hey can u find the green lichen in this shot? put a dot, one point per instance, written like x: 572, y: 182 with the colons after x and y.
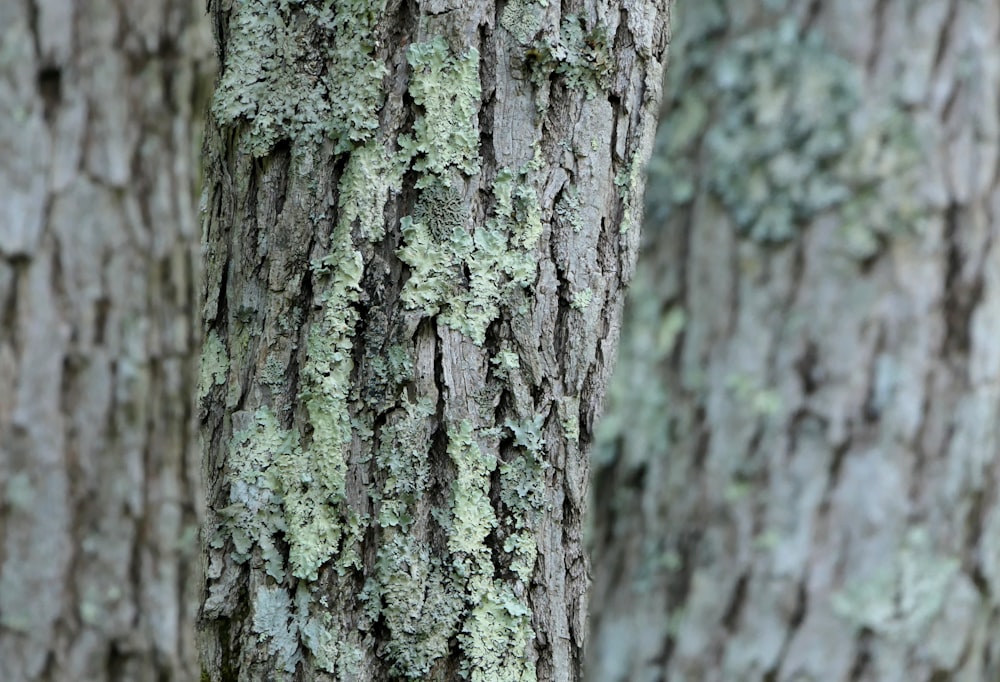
x: 582, y: 299
x: 472, y: 512
x: 568, y: 208
x: 582, y: 58
x: 523, y: 19
x: 437, y: 244
x: 498, y: 256
x: 214, y: 366
x: 414, y: 590
x: 497, y: 630
x: 254, y: 515
x: 494, y: 637
x: 903, y: 597
x: 505, y: 362
x: 522, y: 492
x: 274, y: 79
x: 389, y: 371
x: 273, y: 374
x: 320, y: 633
x: 402, y: 456
x: 569, y: 417
x: 272, y: 618
x: 442, y: 209
x: 285, y: 484
x: 446, y: 88
x: 371, y: 174
x: 282, y: 622
x: 434, y: 264
x: 772, y: 118
x: 419, y: 605
x: 314, y: 476
x: 628, y: 181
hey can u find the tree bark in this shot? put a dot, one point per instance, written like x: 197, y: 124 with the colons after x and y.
x: 421, y: 217
x: 799, y: 477
x: 100, y: 494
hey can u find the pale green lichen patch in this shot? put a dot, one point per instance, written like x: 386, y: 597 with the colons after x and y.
x: 255, y: 513
x: 628, y: 181
x: 497, y: 629
x: 523, y: 19
x: 776, y: 122
x: 446, y: 87
x: 522, y: 492
x: 413, y: 590
x: 389, y: 371
x: 282, y: 623
x: 505, y: 362
x: 498, y: 256
x: 906, y: 595
x: 371, y: 174
x: 495, y: 637
x: 276, y: 80
x: 433, y: 264
x: 473, y: 515
x: 503, y: 256
x: 581, y: 299
x: 419, y: 604
x: 273, y: 374
x: 402, y: 456
x: 583, y: 58
x: 214, y: 364
x: 283, y: 483
x: 569, y: 417
x: 442, y: 209
x: 272, y: 619
x: 568, y: 208
x: 321, y: 635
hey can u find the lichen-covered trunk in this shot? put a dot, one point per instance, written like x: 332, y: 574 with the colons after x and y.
x: 800, y: 478
x: 420, y: 220
x: 99, y: 491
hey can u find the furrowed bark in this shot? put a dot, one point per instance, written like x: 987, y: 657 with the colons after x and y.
x: 420, y: 220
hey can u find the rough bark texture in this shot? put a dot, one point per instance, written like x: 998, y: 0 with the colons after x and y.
x: 421, y: 217
x: 99, y: 478
x: 799, y: 480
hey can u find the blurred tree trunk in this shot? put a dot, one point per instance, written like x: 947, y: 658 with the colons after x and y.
x: 799, y: 477
x: 421, y: 218
x: 99, y: 489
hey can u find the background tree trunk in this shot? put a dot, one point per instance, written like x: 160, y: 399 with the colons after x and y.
x: 805, y: 488
x: 99, y: 501
x: 420, y: 221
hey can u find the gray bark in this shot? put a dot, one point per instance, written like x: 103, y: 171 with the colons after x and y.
x: 799, y: 477
x: 421, y: 218
x: 98, y: 245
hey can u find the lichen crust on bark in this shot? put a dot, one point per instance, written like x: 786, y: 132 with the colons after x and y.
x: 414, y: 342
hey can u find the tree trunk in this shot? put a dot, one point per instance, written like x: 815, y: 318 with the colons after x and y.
x: 421, y: 218
x: 799, y: 480
x: 100, y: 494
